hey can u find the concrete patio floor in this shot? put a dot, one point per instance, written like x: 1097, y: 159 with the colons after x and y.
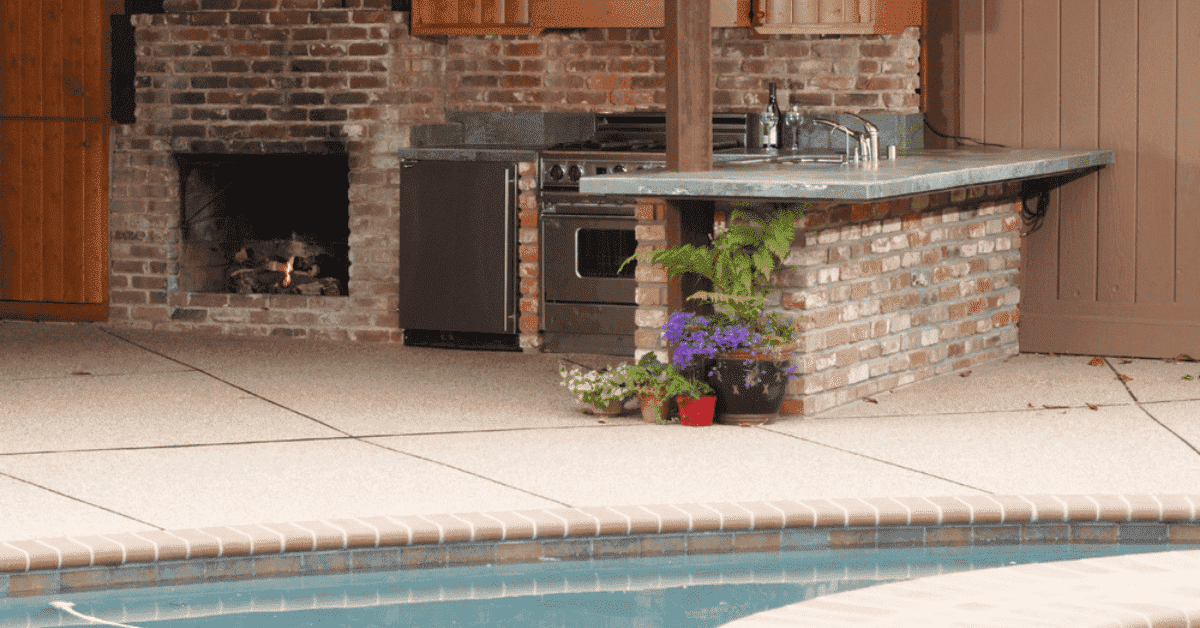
x: 111, y: 430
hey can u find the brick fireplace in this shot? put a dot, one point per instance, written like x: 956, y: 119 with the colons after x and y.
x: 247, y: 84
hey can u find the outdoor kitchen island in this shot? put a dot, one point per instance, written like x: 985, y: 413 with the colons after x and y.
x: 903, y: 270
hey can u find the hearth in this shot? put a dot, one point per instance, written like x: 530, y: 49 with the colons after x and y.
x: 264, y: 224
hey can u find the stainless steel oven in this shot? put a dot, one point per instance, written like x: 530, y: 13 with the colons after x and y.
x: 588, y: 298
x: 588, y: 306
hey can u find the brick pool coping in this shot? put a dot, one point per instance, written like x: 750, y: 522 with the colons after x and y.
x: 361, y: 545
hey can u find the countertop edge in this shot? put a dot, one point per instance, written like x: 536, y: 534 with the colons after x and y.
x: 921, y: 173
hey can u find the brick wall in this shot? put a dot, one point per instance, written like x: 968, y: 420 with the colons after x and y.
x: 620, y: 69
x: 320, y: 76
x: 888, y: 293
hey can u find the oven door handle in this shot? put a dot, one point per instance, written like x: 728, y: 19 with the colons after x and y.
x: 509, y: 298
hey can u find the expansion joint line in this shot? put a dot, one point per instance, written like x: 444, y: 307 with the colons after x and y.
x: 360, y: 439
x: 876, y: 459
x: 228, y: 383
x: 1137, y: 402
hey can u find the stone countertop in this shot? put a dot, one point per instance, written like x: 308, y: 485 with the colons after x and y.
x: 472, y: 153
x: 914, y: 172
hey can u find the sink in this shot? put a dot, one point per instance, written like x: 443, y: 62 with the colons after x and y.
x: 830, y: 158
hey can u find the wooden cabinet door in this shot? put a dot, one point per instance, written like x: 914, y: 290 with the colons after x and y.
x: 53, y: 160
x: 843, y: 17
x: 472, y: 17
x: 515, y: 17
x: 598, y: 13
x: 627, y: 13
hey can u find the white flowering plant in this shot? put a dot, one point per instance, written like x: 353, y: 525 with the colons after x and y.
x: 598, y: 388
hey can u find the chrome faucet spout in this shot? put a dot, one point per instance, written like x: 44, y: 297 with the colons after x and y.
x: 860, y: 138
x: 872, y: 138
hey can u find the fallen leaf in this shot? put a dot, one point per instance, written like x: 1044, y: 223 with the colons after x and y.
x: 1097, y: 361
x: 1126, y: 378
x: 1126, y: 361
x: 1053, y: 407
x: 964, y: 373
x: 1093, y: 406
x: 1182, y: 357
x: 1031, y: 405
x: 870, y: 399
x: 1189, y: 377
x: 80, y: 373
x: 745, y: 425
x: 600, y: 421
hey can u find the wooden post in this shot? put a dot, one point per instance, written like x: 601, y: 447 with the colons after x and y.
x: 689, y: 85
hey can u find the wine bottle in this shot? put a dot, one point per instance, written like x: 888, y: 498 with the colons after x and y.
x: 770, y: 121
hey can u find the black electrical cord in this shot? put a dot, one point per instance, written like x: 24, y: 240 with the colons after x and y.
x: 1033, y: 218
x: 960, y: 138
x: 1041, y: 188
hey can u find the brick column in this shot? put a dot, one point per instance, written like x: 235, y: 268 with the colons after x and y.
x: 655, y: 220
x: 529, y: 267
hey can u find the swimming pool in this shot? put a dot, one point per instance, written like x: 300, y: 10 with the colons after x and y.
x: 693, y: 591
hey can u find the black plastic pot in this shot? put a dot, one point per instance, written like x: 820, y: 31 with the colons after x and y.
x: 748, y: 391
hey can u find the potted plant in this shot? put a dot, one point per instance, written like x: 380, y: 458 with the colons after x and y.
x: 604, y: 390
x: 743, y: 348
x: 697, y: 404
x: 649, y: 378
x: 657, y: 383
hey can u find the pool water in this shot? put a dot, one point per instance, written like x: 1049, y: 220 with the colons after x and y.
x: 692, y: 591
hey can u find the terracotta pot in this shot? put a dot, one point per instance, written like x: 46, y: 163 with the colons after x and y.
x: 654, y: 406
x: 750, y: 385
x: 696, y: 412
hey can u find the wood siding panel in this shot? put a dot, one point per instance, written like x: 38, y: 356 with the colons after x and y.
x: 1038, y: 125
x: 94, y: 275
x: 971, y: 75
x: 1079, y: 122
x: 1187, y: 166
x: 53, y: 160
x: 1155, y: 278
x: 1115, y: 268
x: 29, y: 213
x: 1116, y: 260
x: 1003, y: 94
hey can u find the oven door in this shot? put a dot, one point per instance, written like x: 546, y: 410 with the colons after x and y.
x: 582, y: 255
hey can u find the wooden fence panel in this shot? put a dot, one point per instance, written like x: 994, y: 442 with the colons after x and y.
x: 53, y: 159
x: 1039, y: 125
x: 1187, y: 167
x: 1155, y: 278
x: 1117, y: 213
x: 1115, y: 269
x: 1079, y: 119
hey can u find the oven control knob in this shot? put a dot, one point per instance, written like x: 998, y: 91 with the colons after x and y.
x: 574, y: 172
x: 618, y: 168
x: 556, y: 172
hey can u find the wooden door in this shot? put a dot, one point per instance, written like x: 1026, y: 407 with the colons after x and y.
x: 1115, y: 267
x: 53, y: 160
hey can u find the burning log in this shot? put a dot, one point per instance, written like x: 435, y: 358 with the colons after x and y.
x: 281, y: 267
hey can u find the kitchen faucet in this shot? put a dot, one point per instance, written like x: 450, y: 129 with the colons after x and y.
x: 868, y: 139
x: 861, y: 138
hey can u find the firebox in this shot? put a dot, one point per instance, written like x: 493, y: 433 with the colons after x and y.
x: 264, y: 224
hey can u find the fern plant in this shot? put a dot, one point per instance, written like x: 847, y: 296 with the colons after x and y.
x: 741, y: 263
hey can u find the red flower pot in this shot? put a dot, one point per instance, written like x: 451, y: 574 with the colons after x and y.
x: 696, y: 412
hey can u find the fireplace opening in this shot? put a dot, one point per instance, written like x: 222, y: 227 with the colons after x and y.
x: 264, y: 224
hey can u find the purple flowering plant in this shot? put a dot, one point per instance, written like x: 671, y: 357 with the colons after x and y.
x: 741, y: 263
x: 697, y: 338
